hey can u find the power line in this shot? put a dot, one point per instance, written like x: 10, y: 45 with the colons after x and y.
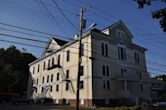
x: 50, y: 14
x: 36, y: 31
x: 22, y: 38
x: 64, y: 14
x: 23, y: 32
x: 7, y: 41
x: 39, y: 4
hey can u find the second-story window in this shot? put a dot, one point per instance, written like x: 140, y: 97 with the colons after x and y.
x: 43, y: 80
x: 42, y: 90
x: 104, y: 84
x: 47, y: 78
x: 136, y: 56
x: 67, y: 74
x: 82, y: 71
x: 67, y: 86
x: 52, y: 76
x: 51, y: 88
x: 121, y: 53
x: 104, y: 49
x: 68, y: 56
x: 81, y: 84
x: 108, y: 85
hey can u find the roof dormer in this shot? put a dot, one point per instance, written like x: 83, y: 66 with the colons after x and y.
x: 53, y: 45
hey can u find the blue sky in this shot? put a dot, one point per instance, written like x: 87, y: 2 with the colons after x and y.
x: 30, y: 14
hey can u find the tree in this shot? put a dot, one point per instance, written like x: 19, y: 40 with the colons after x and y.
x: 14, y: 70
x: 158, y: 14
x: 161, y: 77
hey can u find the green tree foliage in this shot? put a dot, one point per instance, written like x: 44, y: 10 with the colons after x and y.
x: 14, y: 70
x: 158, y: 14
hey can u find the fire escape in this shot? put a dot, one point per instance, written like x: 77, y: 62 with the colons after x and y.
x: 63, y: 76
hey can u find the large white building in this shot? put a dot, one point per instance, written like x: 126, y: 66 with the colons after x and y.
x: 113, y: 69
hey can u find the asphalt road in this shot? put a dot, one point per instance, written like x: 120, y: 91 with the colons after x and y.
x: 26, y: 107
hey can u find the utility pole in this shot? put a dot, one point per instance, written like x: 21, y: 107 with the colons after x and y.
x: 82, y: 26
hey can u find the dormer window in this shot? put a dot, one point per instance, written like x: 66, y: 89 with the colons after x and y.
x: 120, y: 34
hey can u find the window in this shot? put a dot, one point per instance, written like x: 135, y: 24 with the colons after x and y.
x: 52, y: 61
x: 121, y: 53
x: 67, y: 74
x: 44, y: 65
x: 68, y: 56
x: 82, y: 71
x: 120, y: 34
x: 43, y: 80
x: 42, y: 90
x: 81, y: 84
x: 47, y: 78
x: 52, y: 76
x: 104, y: 84
x: 139, y: 75
x: 141, y: 87
x: 38, y: 68
x: 105, y: 69
x: 123, y: 72
x: 82, y: 49
x: 49, y: 63
x: 57, y: 87
x: 108, y: 85
x: 36, y: 90
x: 57, y: 78
x: 136, y: 56
x: 33, y: 70
x: 67, y: 86
x: 104, y: 49
x: 59, y: 58
x: 50, y: 88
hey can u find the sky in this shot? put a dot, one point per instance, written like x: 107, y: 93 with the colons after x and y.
x: 33, y: 14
